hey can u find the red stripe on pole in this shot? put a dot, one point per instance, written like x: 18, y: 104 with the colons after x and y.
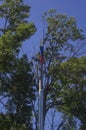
x: 41, y: 59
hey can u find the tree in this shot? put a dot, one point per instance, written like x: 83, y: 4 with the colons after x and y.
x: 14, y: 30
x: 61, y: 35
x: 73, y: 90
x: 20, y: 93
x: 19, y: 90
x: 15, y: 72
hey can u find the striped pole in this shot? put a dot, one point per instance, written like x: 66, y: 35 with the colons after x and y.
x: 41, y: 91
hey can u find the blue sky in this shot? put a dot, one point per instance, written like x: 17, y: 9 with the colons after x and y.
x: 75, y: 8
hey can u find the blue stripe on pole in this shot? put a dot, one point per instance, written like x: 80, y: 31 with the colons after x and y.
x: 41, y: 50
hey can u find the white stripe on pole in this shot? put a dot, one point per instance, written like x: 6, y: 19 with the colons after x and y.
x: 41, y: 127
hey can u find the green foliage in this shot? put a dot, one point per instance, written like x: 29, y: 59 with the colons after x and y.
x: 5, y: 122
x: 21, y: 93
x: 60, y: 36
x: 17, y: 88
x: 15, y: 29
x: 14, y: 12
x: 60, y: 28
x: 71, y: 87
x: 24, y: 31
